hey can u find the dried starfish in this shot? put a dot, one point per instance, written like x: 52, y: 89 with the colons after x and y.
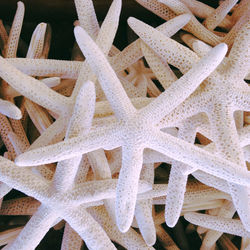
x: 122, y: 108
x: 237, y: 69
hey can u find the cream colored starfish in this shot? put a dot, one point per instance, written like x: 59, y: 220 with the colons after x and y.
x: 45, y: 215
x: 49, y: 98
x: 122, y: 108
x: 220, y: 112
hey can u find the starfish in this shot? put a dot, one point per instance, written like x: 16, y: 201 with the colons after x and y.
x: 45, y: 215
x: 220, y: 111
x: 126, y: 123
x: 24, y: 181
x: 49, y: 99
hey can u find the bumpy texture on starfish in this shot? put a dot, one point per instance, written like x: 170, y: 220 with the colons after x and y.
x: 125, y: 134
x: 128, y: 117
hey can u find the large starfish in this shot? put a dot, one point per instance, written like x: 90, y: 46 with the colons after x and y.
x: 130, y: 130
x: 219, y: 110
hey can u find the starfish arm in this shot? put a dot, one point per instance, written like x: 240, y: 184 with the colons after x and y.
x: 197, y: 191
x: 193, y: 105
x: 83, y: 170
x: 40, y: 117
x: 178, y: 180
x: 199, y: 158
x: 101, y: 169
x: 71, y: 239
x: 158, y: 8
x: 244, y: 136
x: 169, y: 50
x: 37, y: 41
x: 5, y: 129
x: 110, y: 83
x: 77, y: 217
x: 87, y: 17
x: 151, y: 156
x: 51, y: 81
x: 83, y: 110
x: 183, y: 87
x: 107, y: 138
x: 23, y: 179
x: 194, y: 26
x: 20, y: 206
x: 104, y: 41
x: 109, y: 27
x: 226, y: 211
x: 47, y: 42
x: 3, y: 36
x: 18, y: 145
x: 4, y: 189
x: 211, y: 181
x: 203, y: 11
x: 127, y: 187
x: 242, y: 8
x: 34, y: 230
x: 242, y: 99
x: 54, y: 133
x: 9, y: 109
x: 80, y: 121
x: 239, y: 57
x: 132, y: 53
x: 48, y: 99
x: 199, y: 47
x: 247, y: 153
x: 12, y: 44
x: 222, y: 134
x: 130, y: 240
x: 93, y: 191
x: 161, y: 69
x: 47, y: 67
x: 143, y: 209
x: 236, y: 29
x: 9, y: 235
x: 217, y: 223
x: 219, y: 14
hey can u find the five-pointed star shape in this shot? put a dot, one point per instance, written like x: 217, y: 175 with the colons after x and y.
x: 135, y: 130
x: 219, y: 96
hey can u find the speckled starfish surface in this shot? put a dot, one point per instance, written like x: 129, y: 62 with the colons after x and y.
x: 123, y: 141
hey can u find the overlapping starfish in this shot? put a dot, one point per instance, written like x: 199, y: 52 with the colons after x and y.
x: 118, y: 130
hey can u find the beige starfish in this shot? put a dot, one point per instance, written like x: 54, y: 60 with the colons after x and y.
x: 222, y: 111
x: 104, y: 141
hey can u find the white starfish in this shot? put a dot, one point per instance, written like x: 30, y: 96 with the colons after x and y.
x: 219, y: 112
x: 123, y: 110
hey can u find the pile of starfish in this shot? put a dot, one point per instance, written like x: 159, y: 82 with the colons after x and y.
x: 104, y: 123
